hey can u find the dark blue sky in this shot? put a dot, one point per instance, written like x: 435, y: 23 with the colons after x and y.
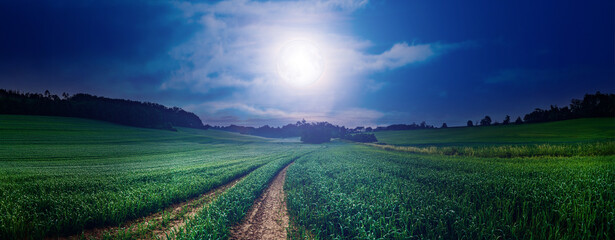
x: 384, y: 61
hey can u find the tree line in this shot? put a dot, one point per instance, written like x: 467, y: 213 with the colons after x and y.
x: 317, y: 132
x: 591, y: 106
x: 119, y: 111
x: 152, y: 115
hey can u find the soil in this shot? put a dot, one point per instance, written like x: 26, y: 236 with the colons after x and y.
x: 268, y: 217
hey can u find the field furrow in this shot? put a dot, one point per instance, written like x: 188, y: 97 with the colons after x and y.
x: 268, y: 217
x: 159, y: 224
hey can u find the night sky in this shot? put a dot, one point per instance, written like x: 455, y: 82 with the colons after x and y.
x: 383, y: 62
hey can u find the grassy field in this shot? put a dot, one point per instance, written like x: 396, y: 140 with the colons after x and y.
x: 536, y: 181
x: 570, y: 131
x: 61, y: 175
x: 348, y: 191
x: 556, y: 180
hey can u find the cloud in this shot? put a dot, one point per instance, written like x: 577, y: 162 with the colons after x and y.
x: 240, y: 39
x: 238, y: 45
x: 347, y: 117
x: 399, y: 55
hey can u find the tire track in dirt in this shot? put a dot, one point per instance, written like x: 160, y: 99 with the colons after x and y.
x: 172, y: 218
x: 268, y: 217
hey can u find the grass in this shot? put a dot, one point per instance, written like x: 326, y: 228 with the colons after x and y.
x: 601, y: 148
x: 350, y: 191
x: 61, y: 175
x: 570, y: 131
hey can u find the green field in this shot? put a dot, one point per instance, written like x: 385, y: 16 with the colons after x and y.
x: 351, y: 191
x: 61, y: 175
x: 556, y: 180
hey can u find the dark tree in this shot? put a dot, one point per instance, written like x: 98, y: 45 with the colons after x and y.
x: 485, y: 121
x: 470, y: 123
x: 361, y: 137
x: 506, y: 120
x: 316, y: 134
x: 397, y: 127
x: 592, y: 105
x: 444, y: 125
x: 120, y: 111
x: 518, y: 121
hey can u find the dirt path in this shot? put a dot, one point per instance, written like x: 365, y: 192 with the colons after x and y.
x: 268, y: 218
x: 159, y: 224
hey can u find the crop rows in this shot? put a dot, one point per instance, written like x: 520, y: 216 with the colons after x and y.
x: 214, y: 222
x: 38, y: 202
x: 359, y: 192
x: 59, y: 176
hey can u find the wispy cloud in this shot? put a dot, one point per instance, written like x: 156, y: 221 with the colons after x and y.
x: 399, y: 55
x: 240, y: 40
x: 347, y: 117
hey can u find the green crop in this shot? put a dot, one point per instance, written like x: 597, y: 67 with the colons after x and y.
x: 214, y: 222
x: 599, y: 148
x: 59, y: 176
x: 347, y: 191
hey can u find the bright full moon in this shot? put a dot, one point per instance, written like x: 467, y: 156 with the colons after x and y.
x: 300, y: 63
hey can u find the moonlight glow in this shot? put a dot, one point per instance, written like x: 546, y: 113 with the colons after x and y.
x: 300, y: 63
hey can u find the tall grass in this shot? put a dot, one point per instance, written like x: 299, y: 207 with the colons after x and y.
x: 603, y: 148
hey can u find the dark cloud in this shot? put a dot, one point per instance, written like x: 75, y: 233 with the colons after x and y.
x: 68, y: 42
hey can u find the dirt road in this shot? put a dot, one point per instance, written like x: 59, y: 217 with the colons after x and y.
x: 268, y: 218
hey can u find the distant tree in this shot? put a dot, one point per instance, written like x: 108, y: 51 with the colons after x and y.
x: 316, y: 135
x: 485, y: 121
x: 592, y: 105
x: 369, y: 129
x: 518, y: 121
x: 361, y: 137
x: 470, y: 124
x: 444, y: 125
x: 506, y: 120
x: 398, y: 127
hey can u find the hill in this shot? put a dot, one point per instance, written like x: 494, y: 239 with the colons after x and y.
x: 49, y: 137
x: 120, y: 111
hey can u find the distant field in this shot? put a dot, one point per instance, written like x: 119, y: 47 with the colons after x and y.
x: 570, y: 131
x: 61, y: 175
